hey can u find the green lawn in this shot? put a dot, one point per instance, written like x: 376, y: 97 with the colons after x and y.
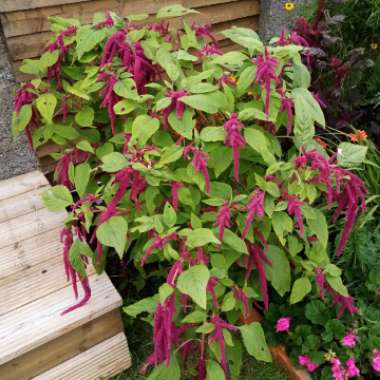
x: 140, y: 346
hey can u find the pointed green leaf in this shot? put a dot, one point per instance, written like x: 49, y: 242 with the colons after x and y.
x: 255, y: 342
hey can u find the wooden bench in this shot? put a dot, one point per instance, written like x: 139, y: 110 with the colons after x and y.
x: 36, y: 341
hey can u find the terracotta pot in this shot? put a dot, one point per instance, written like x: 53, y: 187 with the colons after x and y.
x: 278, y: 353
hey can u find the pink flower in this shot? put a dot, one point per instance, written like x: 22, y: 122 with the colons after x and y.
x: 283, y: 324
x: 223, y: 219
x: 306, y: 362
x: 337, y: 371
x: 199, y: 163
x: 349, y: 340
x: 376, y: 360
x: 255, y: 208
x: 352, y: 370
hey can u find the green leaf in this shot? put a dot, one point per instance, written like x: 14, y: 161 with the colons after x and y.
x: 279, y: 272
x: 146, y: 305
x: 85, y: 146
x: 232, y: 59
x: 57, y: 198
x: 169, y: 216
x: 201, y: 102
x: 124, y: 107
x: 196, y: 316
x: 170, y: 154
x: 201, y: 237
x: 164, y: 372
x: 143, y: 128
x: 337, y: 284
x: 259, y: 142
x: 168, y: 63
x: 175, y: 10
x: 350, y: 155
x: 20, y: 121
x: 183, y: 126
x: 245, y: 79
x: 246, y: 37
x: 85, y: 116
x: 212, y: 134
x: 46, y: 104
x: 318, y: 226
x: 114, y: 162
x: 220, y: 159
x: 234, y: 241
x: 88, y: 38
x: 49, y: 58
x: 214, y: 371
x: 202, y: 88
x: 301, y: 288
x: 282, y: 224
x: 165, y: 291
x: 113, y: 233
x: 254, y: 341
x: 316, y: 312
x: 193, y: 282
x: 81, y: 178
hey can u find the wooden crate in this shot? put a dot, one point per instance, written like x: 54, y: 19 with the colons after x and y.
x: 36, y: 341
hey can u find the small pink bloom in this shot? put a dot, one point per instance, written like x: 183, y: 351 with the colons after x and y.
x: 303, y: 360
x: 337, y: 371
x: 376, y: 360
x: 311, y: 367
x: 349, y: 340
x: 352, y: 370
x: 283, y: 324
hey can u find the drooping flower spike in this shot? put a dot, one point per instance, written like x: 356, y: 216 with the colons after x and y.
x: 223, y: 219
x: 199, y: 163
x: 255, y: 208
x: 235, y: 140
x: 175, y: 105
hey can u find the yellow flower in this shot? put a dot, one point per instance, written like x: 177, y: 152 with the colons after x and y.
x: 374, y: 45
x: 289, y: 6
x: 232, y: 78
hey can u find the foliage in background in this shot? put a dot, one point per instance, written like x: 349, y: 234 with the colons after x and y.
x: 198, y: 167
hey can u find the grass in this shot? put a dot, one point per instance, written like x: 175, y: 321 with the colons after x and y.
x: 139, y: 339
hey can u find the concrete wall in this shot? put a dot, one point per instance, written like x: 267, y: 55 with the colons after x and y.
x: 16, y: 157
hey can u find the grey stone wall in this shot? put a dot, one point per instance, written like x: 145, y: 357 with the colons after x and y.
x: 274, y: 18
x: 16, y: 157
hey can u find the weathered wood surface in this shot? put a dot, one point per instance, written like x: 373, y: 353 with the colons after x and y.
x: 34, y: 335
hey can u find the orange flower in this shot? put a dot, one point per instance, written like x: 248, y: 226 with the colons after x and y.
x: 232, y: 78
x: 289, y: 6
x: 374, y: 45
x: 321, y: 142
x: 358, y: 136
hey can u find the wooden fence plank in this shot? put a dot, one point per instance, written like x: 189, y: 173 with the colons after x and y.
x: 99, y: 362
x: 32, y: 45
x: 16, y: 5
x: 39, y: 322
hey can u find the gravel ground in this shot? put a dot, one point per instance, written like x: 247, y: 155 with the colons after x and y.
x: 16, y: 156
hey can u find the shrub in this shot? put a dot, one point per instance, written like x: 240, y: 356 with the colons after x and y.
x: 198, y: 166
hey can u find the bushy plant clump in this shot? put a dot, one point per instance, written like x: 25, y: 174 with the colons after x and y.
x: 197, y: 165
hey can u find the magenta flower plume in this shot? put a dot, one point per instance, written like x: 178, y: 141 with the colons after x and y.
x: 346, y: 304
x: 54, y: 71
x: 292, y: 39
x: 294, y: 209
x: 257, y: 259
x: 199, y: 163
x: 240, y: 295
x: 287, y: 106
x: 107, y: 23
x: 212, y: 282
x: 255, y: 208
x: 283, y: 324
x: 209, y: 50
x: 158, y: 243
x: 175, y: 186
x: 164, y: 334
x: 175, y: 105
x: 266, y: 74
x: 375, y: 360
x: 321, y: 281
x: 235, y: 140
x: 67, y: 241
x: 217, y: 337
x: 349, y: 340
x: 223, y: 219
x: 203, y: 31
x: 74, y: 156
x: 110, y: 98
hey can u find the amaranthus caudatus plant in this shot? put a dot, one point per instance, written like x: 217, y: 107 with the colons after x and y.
x: 194, y: 161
